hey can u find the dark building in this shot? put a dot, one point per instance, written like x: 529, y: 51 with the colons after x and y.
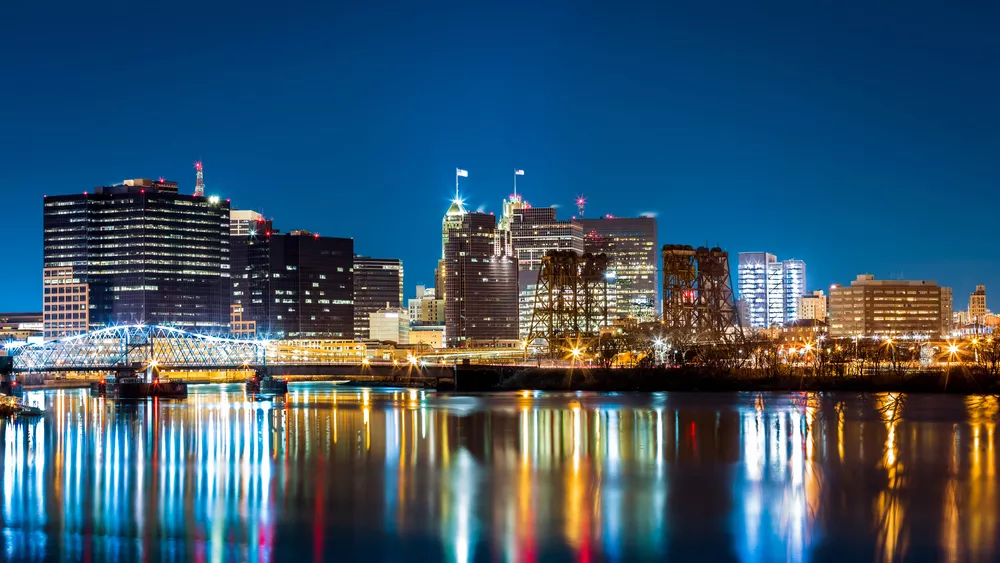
x: 378, y: 284
x: 630, y: 244
x: 480, y: 284
x: 295, y: 285
x: 146, y: 253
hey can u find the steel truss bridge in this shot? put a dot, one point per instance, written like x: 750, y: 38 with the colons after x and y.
x: 171, y: 348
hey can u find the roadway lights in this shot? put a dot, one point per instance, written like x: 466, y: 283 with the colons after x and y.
x: 575, y: 352
x: 952, y: 349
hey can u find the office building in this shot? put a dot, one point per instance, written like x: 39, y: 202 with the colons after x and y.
x: 633, y: 257
x: 430, y: 336
x: 146, y: 253
x: 25, y: 327
x: 243, y: 223
x: 389, y: 325
x: 770, y: 289
x: 870, y: 307
x: 480, y: 285
x: 531, y: 232
x: 297, y: 285
x: 813, y: 306
x: 65, y: 303
x: 977, y: 305
x: 378, y: 284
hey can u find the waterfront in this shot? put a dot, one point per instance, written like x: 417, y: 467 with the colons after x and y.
x: 391, y: 474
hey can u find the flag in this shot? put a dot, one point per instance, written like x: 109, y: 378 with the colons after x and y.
x: 462, y: 173
x: 519, y: 172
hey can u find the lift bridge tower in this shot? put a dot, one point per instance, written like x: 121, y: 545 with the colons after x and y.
x: 571, y: 299
x: 698, y: 300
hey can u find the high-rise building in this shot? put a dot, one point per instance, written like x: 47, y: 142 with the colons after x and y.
x: 65, y: 302
x: 480, y: 284
x: 770, y: 289
x: 870, y: 307
x: 242, y: 222
x: 146, y: 253
x: 378, y: 284
x: 813, y: 306
x: 633, y: 256
x: 296, y: 285
x: 533, y: 231
x: 977, y: 305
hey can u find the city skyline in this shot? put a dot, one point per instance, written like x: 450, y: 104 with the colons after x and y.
x: 669, y: 109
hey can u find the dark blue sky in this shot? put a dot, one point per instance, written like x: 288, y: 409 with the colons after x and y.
x: 859, y: 137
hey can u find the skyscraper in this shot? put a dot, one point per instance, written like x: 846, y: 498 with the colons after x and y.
x: 631, y: 247
x: 378, y: 285
x: 295, y: 285
x: 146, y: 253
x: 480, y: 284
x: 533, y: 231
x: 770, y: 289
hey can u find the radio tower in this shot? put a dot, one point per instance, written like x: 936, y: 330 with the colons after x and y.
x: 199, y: 183
x: 580, y: 202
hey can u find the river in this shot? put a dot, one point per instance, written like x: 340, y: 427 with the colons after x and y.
x: 335, y: 473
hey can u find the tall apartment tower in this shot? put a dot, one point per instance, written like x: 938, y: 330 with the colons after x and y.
x: 633, y: 256
x: 294, y: 285
x: 378, y: 285
x: 531, y: 232
x: 769, y: 288
x: 146, y: 253
x: 977, y: 304
x: 480, y: 283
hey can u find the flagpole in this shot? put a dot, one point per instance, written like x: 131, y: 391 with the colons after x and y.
x: 515, y: 183
x: 456, y: 184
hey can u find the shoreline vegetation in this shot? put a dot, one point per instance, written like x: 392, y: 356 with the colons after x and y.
x: 956, y: 380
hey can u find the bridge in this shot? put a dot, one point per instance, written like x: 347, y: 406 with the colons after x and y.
x: 170, y: 348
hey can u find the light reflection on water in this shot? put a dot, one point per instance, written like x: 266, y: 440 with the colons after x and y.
x: 409, y: 474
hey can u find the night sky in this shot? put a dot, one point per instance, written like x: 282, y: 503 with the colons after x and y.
x: 857, y: 136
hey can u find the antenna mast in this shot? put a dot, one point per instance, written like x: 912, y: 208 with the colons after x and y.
x: 199, y: 183
x: 580, y: 203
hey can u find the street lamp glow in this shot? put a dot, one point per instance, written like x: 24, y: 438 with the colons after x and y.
x: 952, y: 349
x: 365, y: 361
x: 575, y: 352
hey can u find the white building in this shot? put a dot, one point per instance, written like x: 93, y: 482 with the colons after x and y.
x: 390, y: 325
x: 65, y: 302
x: 813, y: 306
x: 242, y: 222
x: 770, y: 289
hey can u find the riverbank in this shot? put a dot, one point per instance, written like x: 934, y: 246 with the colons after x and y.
x: 700, y: 379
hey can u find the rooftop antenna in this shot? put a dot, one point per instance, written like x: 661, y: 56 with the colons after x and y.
x: 459, y: 173
x: 199, y: 182
x: 580, y: 203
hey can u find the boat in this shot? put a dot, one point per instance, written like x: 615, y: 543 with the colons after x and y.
x: 138, y: 388
x: 28, y: 410
x: 262, y: 383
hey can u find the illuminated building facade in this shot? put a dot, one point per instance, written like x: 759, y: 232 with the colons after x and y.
x: 870, y: 307
x: 243, y: 222
x: 378, y: 284
x: 480, y: 285
x: 390, y: 325
x: 813, y: 306
x: 977, y: 305
x: 295, y: 285
x: 533, y: 231
x: 633, y: 255
x: 65, y: 303
x: 146, y: 253
x: 770, y: 289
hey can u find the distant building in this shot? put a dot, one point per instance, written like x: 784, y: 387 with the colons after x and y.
x: 390, y: 325
x: 633, y: 254
x: 297, y: 285
x: 977, y: 305
x: 21, y: 326
x: 428, y: 335
x: 378, y: 284
x: 243, y: 223
x: 813, y: 307
x: 870, y: 307
x: 65, y: 303
x: 770, y: 289
x: 531, y: 232
x: 480, y: 284
x: 146, y: 253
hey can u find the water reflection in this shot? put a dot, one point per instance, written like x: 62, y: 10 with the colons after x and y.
x: 384, y: 475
